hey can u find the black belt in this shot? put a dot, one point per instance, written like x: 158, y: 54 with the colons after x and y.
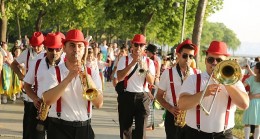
x: 70, y: 123
x: 213, y: 133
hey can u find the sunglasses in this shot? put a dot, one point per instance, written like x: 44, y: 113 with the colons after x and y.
x: 185, y: 56
x: 211, y: 60
x: 52, y: 49
x: 138, y: 44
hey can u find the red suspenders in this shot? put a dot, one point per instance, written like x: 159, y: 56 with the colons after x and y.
x: 35, y: 75
x: 58, y: 108
x: 198, y: 106
x: 172, y: 87
x: 27, y: 60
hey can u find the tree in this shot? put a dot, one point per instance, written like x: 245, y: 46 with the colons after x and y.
x: 197, y: 29
x: 3, y: 22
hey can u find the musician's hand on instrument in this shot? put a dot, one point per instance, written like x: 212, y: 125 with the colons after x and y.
x: 175, y: 110
x: 37, y: 103
x: 73, y: 73
x: 212, y: 89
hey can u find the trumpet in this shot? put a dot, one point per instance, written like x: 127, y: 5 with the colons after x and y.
x: 141, y: 70
x: 88, y: 86
x: 227, y: 72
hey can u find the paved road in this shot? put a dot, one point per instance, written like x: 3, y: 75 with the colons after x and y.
x: 105, y: 120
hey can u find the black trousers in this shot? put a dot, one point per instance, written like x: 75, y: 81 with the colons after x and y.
x: 30, y: 122
x: 133, y: 106
x: 172, y: 131
x: 60, y: 129
x: 192, y: 133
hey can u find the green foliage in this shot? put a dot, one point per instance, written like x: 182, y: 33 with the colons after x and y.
x: 160, y: 20
x: 218, y: 31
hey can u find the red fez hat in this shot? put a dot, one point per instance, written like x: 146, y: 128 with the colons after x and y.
x: 139, y: 38
x: 188, y: 41
x: 76, y: 36
x: 218, y: 47
x: 53, y: 40
x: 37, y: 39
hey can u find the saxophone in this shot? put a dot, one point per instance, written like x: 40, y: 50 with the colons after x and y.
x: 44, y: 108
x: 180, y: 118
x: 42, y: 115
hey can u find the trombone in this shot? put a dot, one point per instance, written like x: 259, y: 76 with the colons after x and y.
x: 227, y: 72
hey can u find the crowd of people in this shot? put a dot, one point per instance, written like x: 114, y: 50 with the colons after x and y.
x: 61, y: 78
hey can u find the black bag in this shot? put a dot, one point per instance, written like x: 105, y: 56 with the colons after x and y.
x: 120, y: 88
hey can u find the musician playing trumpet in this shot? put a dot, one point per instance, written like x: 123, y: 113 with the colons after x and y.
x: 169, y: 86
x: 70, y: 113
x: 134, y: 101
x: 219, y: 122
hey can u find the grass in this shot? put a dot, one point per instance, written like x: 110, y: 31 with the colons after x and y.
x: 238, y: 130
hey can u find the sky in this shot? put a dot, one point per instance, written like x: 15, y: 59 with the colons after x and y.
x: 241, y: 16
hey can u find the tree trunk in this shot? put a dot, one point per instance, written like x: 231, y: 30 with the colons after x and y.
x: 18, y: 27
x: 146, y: 22
x: 197, y: 30
x: 38, y: 21
x: 3, y: 22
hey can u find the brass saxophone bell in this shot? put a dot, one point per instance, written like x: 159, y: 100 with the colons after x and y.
x: 180, y: 119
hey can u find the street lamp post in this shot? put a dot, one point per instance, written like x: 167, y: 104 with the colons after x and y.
x: 177, y: 4
x: 183, y: 20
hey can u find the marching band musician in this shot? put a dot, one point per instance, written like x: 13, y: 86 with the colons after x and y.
x: 70, y: 114
x: 133, y: 101
x: 53, y: 44
x: 26, y: 57
x: 219, y: 123
x: 170, y: 85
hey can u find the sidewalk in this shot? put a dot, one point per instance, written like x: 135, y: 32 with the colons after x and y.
x: 104, y: 120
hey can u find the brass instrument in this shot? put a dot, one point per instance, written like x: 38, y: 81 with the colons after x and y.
x: 44, y: 109
x: 180, y: 118
x: 227, y: 72
x: 42, y: 115
x: 53, y: 60
x: 88, y: 86
x: 141, y: 70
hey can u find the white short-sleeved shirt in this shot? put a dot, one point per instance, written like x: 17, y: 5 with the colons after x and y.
x: 92, y: 64
x: 41, y: 74
x: 22, y: 59
x: 135, y: 83
x: 164, y: 83
x: 73, y: 105
x: 215, y: 121
x: 101, y: 65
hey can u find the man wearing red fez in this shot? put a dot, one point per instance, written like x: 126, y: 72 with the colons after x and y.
x: 26, y: 58
x: 135, y: 71
x: 65, y: 90
x: 217, y: 122
x: 170, y: 85
x: 37, y: 70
